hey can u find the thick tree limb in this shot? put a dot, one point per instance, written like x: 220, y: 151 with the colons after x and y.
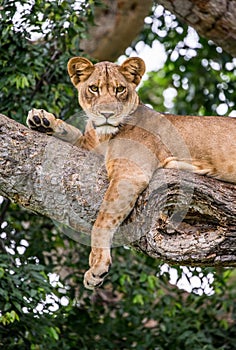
x: 117, y: 24
x: 67, y: 184
x: 212, y: 19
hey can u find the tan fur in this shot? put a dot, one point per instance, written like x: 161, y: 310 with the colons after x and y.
x: 135, y: 141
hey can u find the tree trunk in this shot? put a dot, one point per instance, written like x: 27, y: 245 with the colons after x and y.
x: 212, y: 19
x: 180, y: 218
x: 117, y: 23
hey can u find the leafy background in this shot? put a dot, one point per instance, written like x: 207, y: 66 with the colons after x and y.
x: 141, y: 305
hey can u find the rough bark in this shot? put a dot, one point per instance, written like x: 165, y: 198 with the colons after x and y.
x: 180, y: 218
x: 117, y: 23
x: 212, y: 19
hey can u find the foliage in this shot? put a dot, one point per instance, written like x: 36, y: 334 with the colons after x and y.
x: 37, y: 39
x: 137, y: 307
x: 141, y: 311
x: 200, y: 75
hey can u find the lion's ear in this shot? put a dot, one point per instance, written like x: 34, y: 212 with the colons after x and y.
x: 79, y: 69
x: 133, y: 69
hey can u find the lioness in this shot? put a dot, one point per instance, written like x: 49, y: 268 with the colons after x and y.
x: 135, y: 141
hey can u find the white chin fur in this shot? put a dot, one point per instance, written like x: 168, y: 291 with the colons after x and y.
x: 107, y: 129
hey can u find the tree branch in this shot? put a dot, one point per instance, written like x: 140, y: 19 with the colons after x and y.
x: 212, y: 19
x: 117, y: 24
x: 181, y: 218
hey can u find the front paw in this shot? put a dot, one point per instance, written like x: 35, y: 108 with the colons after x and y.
x: 40, y: 120
x: 94, y: 277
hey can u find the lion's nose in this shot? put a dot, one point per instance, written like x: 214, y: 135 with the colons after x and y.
x: 107, y: 115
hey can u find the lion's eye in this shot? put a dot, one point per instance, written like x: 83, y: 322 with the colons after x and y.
x: 93, y: 88
x: 120, y: 89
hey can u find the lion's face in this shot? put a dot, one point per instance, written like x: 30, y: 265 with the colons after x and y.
x: 106, y: 90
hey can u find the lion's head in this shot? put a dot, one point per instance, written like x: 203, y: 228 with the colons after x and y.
x: 107, y: 90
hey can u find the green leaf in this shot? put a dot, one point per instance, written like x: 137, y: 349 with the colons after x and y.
x: 138, y: 299
x: 2, y: 271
